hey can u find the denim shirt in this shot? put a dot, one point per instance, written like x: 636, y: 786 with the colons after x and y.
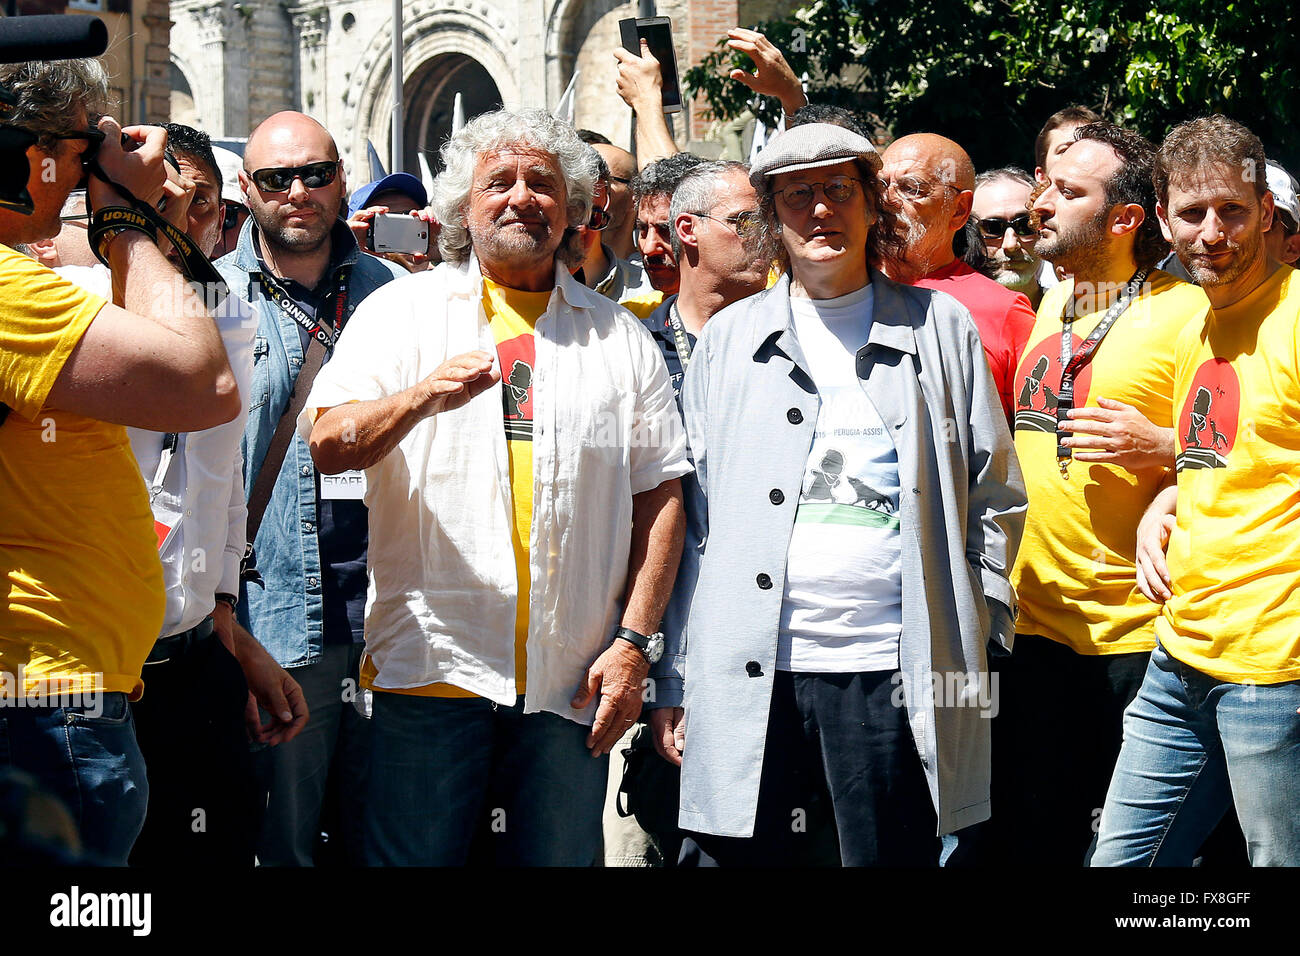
x: 285, y: 612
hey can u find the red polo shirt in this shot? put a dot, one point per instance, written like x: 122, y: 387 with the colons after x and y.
x: 1004, y: 318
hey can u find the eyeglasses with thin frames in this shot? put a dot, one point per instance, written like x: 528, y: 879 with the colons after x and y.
x: 909, y: 187
x: 747, y: 224
x: 837, y: 189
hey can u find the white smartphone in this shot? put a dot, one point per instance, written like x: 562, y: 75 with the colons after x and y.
x: 394, y: 232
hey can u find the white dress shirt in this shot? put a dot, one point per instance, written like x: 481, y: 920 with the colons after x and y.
x: 441, y: 601
x: 202, y: 496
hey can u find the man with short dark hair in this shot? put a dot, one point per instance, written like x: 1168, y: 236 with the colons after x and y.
x: 1094, y: 445
x: 1056, y: 135
x: 206, y: 674
x: 652, y: 191
x: 82, y: 587
x: 299, y: 265
x: 1215, y: 723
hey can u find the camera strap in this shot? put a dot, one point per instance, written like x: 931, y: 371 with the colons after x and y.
x: 140, y: 216
x: 680, y: 340
x: 1072, y: 364
x: 321, y: 344
x: 327, y: 335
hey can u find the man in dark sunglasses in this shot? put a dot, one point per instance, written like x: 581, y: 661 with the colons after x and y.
x: 615, y: 278
x: 299, y: 265
x: 1001, y: 210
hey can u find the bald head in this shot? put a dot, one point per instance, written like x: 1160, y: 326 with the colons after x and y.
x: 931, y: 187
x: 282, y: 132
x: 942, y: 159
x: 299, y: 198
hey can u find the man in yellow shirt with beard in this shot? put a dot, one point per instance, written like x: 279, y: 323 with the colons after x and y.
x: 1215, y: 723
x: 1093, y: 432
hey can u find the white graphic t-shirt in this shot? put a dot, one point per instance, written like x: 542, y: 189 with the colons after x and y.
x: 844, y: 579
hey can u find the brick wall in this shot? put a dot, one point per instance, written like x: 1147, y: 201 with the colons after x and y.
x: 709, y: 22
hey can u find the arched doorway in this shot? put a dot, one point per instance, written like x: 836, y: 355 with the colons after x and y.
x: 430, y: 96
x: 183, y: 108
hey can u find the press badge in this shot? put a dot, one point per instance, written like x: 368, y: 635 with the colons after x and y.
x: 345, y: 486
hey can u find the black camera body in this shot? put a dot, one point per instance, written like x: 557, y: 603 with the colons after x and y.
x: 54, y: 37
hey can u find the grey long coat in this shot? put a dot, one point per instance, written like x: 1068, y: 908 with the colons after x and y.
x: 750, y: 410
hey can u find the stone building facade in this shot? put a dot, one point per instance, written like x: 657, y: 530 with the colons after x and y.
x: 234, y: 62
x: 137, y: 56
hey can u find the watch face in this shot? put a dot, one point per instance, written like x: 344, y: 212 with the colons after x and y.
x: 655, y: 648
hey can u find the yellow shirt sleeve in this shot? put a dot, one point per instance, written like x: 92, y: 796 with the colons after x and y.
x: 42, y: 318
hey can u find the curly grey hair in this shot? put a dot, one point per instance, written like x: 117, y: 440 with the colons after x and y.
x: 52, y: 95
x: 503, y: 129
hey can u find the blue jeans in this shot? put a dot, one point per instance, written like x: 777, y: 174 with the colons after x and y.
x: 87, y: 756
x: 1193, y: 745
x: 464, y: 780
x: 331, y: 752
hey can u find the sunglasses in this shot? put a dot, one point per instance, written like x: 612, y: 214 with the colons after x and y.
x: 600, y: 215
x: 995, y: 227
x: 747, y: 224
x: 230, y: 215
x: 279, y: 179
x: 837, y: 189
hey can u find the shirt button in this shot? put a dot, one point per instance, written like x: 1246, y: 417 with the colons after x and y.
x: 776, y: 496
x: 309, y: 526
x: 754, y: 669
x: 795, y: 416
x: 306, y: 469
x: 312, y: 582
x: 764, y: 581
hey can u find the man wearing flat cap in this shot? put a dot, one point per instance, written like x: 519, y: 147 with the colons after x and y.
x: 863, y: 508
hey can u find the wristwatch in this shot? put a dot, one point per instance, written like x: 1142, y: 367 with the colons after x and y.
x: 652, y: 646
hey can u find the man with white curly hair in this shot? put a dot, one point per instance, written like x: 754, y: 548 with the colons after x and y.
x: 522, y: 452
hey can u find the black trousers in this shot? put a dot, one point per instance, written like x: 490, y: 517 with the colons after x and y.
x: 842, y: 782
x: 1056, y: 737
x: 202, y: 799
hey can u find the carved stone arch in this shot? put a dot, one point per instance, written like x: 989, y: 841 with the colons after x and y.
x: 426, y: 35
x: 186, y: 104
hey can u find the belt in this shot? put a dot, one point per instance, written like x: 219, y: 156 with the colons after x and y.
x: 178, y: 645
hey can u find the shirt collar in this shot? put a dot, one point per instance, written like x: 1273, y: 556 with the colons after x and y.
x: 465, y: 280
x: 343, y: 249
x: 891, y: 319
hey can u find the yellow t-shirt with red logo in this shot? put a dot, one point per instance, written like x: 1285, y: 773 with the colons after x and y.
x: 1075, y: 574
x: 81, y: 584
x: 1234, y: 557
x: 512, y: 316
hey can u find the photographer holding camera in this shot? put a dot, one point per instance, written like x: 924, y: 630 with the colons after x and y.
x: 83, y: 590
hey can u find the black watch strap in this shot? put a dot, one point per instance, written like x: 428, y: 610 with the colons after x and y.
x: 632, y: 637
